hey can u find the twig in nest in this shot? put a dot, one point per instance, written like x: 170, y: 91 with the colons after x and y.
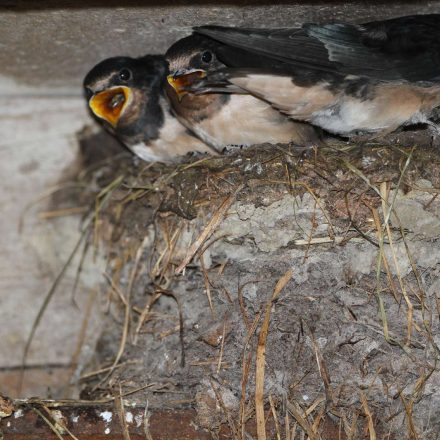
x: 126, y: 327
x: 146, y: 423
x: 126, y: 302
x: 427, y: 320
x: 105, y: 369
x: 381, y: 257
x: 104, y: 195
x: 222, y: 346
x: 387, y: 214
x: 80, y: 267
x: 322, y: 368
x: 119, y: 404
x: 160, y: 269
x: 74, y: 210
x: 215, y: 221
x: 145, y: 314
x: 48, y: 298
x: 369, y: 416
x: 207, y: 283
x: 242, y: 305
x: 275, y: 417
x: 82, y: 334
x: 59, y: 421
x: 56, y: 424
x: 299, y: 416
x: 48, y: 422
x: 287, y: 426
x: 246, y: 366
x: 261, y: 357
x: 319, y: 417
x: 412, y: 431
x: 218, y: 396
x: 181, y: 328
x: 100, y: 200
x: 314, y: 225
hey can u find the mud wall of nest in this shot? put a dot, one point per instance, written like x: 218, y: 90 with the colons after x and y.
x: 298, y: 292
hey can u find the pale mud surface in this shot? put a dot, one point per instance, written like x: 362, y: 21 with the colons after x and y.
x: 354, y: 335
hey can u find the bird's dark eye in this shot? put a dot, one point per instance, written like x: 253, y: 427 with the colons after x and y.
x: 124, y: 75
x: 207, y: 56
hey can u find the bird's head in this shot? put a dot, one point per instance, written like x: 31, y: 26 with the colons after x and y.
x: 117, y: 89
x: 191, y: 59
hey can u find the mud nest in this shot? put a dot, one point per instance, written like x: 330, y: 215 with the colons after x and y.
x: 298, y: 291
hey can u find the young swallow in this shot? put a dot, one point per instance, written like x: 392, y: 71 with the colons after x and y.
x: 127, y: 94
x: 349, y: 79
x: 220, y: 119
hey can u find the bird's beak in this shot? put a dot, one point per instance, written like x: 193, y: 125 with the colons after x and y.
x: 182, y: 80
x: 110, y: 104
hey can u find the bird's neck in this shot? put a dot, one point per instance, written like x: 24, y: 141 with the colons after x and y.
x: 141, y: 121
x: 174, y: 139
x: 196, y: 108
x: 170, y: 140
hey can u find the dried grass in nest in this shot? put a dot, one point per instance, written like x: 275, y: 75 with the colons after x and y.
x: 351, y: 186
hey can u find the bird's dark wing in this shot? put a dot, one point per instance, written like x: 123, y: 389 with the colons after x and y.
x: 405, y: 48
x: 293, y: 46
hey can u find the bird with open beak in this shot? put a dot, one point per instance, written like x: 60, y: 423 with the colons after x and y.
x: 349, y: 79
x: 127, y: 95
x: 222, y: 120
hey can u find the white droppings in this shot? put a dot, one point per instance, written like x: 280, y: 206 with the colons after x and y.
x: 75, y: 419
x: 107, y: 416
x: 8, y: 424
x: 248, y: 167
x: 18, y: 413
x: 367, y: 161
x: 129, y: 417
x: 305, y: 397
x: 138, y: 418
x: 60, y: 421
x: 107, y: 431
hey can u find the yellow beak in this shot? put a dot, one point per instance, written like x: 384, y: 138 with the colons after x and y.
x: 180, y: 82
x: 109, y: 104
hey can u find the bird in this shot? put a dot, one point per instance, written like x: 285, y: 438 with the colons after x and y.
x: 127, y: 95
x: 353, y: 80
x: 226, y: 120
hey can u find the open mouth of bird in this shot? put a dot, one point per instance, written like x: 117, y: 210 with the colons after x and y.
x: 182, y: 81
x: 111, y: 103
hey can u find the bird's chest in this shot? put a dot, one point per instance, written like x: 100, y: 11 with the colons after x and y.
x: 243, y: 121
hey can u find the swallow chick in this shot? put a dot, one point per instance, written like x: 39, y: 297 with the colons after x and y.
x: 222, y: 120
x: 352, y: 80
x: 127, y: 95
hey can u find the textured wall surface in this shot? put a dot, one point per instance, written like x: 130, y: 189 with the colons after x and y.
x: 54, y: 43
